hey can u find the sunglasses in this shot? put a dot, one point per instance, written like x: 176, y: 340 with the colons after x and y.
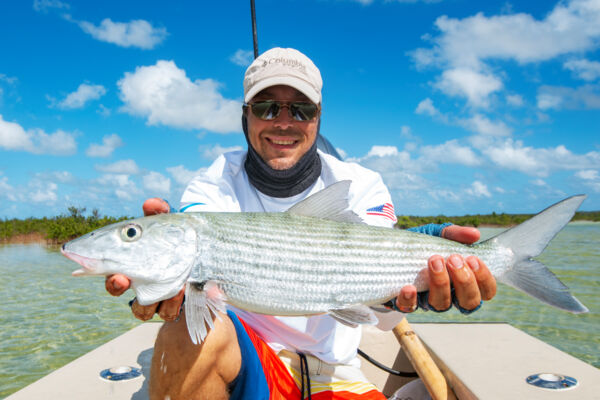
x: 269, y: 110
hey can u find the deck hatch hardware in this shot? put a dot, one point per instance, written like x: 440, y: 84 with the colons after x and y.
x: 121, y: 373
x: 551, y: 381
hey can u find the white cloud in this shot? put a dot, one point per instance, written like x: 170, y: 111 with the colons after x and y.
x: 62, y: 176
x: 397, y: 169
x: 382, y: 151
x: 474, y: 86
x: 539, y: 182
x: 478, y: 189
x: 6, y: 190
x: 45, y: 5
x: 468, y: 44
x: 8, y: 79
x: 43, y: 192
x: 451, y: 153
x: 513, y: 155
x: 572, y: 26
x: 156, y: 183
x: 584, y: 69
x: 547, y: 101
x: 103, y: 110
x: 120, y: 185
x: 14, y: 137
x: 82, y: 95
x: 585, y: 97
x: 116, y: 179
x: 165, y: 95
x: 481, y: 124
x: 515, y: 100
x: 123, y: 167
x: 109, y: 144
x: 426, y: 107
x: 182, y: 175
x: 590, y: 178
x: 587, y: 174
x: 136, y: 33
x: 243, y: 58
x: 211, y: 153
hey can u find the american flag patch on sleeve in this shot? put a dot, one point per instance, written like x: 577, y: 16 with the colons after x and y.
x: 384, y: 210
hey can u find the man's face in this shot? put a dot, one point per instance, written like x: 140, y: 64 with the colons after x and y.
x: 283, y: 141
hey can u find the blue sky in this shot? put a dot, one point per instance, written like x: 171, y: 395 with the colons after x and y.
x: 462, y: 106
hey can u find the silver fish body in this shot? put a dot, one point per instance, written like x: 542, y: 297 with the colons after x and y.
x: 285, y: 264
x: 308, y: 260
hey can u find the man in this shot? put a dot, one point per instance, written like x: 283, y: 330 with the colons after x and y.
x: 253, y: 356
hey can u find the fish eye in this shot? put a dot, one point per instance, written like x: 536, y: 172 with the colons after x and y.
x: 131, y: 232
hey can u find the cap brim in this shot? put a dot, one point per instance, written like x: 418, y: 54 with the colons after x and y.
x: 296, y: 83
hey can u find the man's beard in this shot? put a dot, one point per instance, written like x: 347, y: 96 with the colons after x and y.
x: 281, y: 183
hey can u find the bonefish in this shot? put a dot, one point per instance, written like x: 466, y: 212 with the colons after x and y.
x: 315, y: 258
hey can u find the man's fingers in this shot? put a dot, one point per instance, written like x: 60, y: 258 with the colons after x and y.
x: 465, y: 285
x: 407, y: 300
x: 143, y: 312
x: 440, y: 296
x: 169, y: 309
x: 117, y: 284
x: 154, y: 206
x: 461, y: 234
x: 485, y: 279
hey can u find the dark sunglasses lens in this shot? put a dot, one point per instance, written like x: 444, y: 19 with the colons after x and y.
x: 303, y: 111
x: 266, y: 110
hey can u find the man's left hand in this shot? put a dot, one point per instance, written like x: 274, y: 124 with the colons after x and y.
x: 470, y: 277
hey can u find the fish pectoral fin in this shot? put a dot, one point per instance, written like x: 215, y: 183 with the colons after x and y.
x: 330, y: 203
x: 203, y: 302
x: 354, y: 316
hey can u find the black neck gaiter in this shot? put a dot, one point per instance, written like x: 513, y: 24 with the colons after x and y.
x: 281, y: 183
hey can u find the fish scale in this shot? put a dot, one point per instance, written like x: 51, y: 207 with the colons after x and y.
x: 278, y: 248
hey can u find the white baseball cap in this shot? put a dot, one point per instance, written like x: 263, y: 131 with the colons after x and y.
x: 280, y: 66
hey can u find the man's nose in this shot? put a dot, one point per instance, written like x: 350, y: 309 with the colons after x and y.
x: 284, y: 120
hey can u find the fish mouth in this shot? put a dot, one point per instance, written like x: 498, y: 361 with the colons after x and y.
x: 89, y: 265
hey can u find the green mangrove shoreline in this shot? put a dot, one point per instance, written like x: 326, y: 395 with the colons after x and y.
x: 60, y: 229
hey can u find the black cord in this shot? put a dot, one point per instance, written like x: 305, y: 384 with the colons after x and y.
x: 304, y: 372
x: 386, y: 369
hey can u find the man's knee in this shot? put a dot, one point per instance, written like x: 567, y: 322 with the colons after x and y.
x: 181, y: 369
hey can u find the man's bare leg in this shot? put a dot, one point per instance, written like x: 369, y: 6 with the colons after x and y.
x: 183, y: 370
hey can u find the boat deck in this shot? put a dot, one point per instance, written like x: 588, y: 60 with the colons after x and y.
x: 480, y: 361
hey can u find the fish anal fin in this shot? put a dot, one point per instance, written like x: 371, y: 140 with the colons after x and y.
x: 354, y: 316
x: 203, y: 302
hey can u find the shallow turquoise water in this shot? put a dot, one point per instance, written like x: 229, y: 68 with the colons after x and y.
x: 49, y: 318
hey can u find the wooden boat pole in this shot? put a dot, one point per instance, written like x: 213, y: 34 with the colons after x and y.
x: 422, y: 362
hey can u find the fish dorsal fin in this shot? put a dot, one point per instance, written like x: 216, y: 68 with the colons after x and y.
x: 201, y: 304
x: 330, y: 203
x: 355, y: 315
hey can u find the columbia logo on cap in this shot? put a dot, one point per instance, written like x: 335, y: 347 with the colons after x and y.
x: 286, y: 61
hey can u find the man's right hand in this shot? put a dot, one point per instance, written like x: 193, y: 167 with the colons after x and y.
x: 117, y: 284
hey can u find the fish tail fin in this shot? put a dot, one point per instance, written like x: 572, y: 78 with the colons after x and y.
x: 201, y: 304
x: 528, y: 240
